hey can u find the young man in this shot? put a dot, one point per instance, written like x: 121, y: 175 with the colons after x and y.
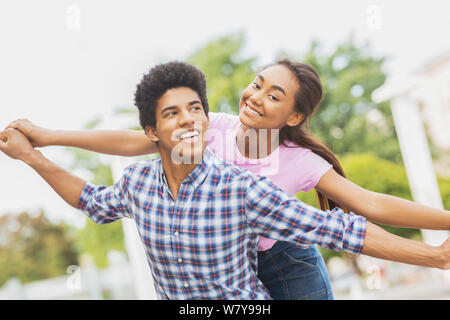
x: 200, y: 218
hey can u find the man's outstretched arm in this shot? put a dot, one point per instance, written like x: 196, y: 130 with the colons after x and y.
x: 69, y: 187
x: 115, y: 142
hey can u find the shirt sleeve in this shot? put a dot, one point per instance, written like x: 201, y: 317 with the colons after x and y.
x: 106, y: 204
x: 275, y: 215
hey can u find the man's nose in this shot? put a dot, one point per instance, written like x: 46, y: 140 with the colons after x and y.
x: 186, y: 118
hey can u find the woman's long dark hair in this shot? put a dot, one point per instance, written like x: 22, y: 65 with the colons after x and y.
x: 307, y: 100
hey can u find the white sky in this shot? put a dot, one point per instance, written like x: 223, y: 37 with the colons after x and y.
x: 64, y: 62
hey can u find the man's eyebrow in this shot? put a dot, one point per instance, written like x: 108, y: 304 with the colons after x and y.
x: 194, y: 102
x: 274, y: 86
x: 175, y: 107
x: 168, y: 108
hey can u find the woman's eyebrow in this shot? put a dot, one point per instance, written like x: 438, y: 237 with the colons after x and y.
x: 274, y: 86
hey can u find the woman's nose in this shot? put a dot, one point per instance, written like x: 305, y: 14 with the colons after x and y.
x: 256, y: 98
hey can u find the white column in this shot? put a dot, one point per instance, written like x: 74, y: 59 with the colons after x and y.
x: 142, y: 277
x: 417, y: 159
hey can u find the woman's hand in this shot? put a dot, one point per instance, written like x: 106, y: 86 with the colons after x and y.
x: 38, y: 136
x: 445, y: 247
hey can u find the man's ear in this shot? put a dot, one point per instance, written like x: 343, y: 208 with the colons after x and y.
x: 295, y: 119
x: 151, y: 133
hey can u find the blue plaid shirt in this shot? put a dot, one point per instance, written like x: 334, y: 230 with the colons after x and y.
x: 203, y: 245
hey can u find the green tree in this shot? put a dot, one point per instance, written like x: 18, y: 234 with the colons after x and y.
x: 347, y: 120
x: 95, y: 239
x: 379, y: 175
x: 227, y: 72
x: 32, y: 248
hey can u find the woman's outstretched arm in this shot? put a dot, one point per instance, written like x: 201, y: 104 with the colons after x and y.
x: 114, y: 142
x: 381, y: 208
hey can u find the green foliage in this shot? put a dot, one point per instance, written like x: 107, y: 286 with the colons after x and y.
x: 444, y: 187
x: 379, y: 175
x: 31, y: 248
x: 347, y: 120
x: 227, y: 72
x: 95, y: 239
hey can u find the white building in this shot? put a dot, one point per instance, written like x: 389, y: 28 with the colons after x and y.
x: 432, y: 93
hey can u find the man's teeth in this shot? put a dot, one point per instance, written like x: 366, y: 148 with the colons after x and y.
x: 252, y: 111
x: 190, y: 134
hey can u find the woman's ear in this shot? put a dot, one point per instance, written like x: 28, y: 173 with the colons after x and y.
x: 295, y: 119
x: 151, y: 133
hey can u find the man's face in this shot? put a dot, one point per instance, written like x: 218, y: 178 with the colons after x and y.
x: 181, y: 126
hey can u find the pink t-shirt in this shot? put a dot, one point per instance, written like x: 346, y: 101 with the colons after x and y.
x: 291, y: 169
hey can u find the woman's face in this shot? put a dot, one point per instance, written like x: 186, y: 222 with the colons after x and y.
x: 268, y: 102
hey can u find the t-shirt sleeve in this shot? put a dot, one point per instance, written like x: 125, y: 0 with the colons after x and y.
x: 315, y: 167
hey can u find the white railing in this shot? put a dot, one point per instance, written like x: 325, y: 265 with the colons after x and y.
x: 85, y: 282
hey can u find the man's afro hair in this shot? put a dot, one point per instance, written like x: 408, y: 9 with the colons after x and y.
x: 161, y: 78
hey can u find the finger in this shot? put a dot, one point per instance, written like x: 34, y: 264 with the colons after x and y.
x: 2, y: 143
x: 12, y: 124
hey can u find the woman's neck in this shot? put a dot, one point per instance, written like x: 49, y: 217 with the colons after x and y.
x: 256, y: 143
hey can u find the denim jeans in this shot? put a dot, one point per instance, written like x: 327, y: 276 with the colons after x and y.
x: 291, y: 273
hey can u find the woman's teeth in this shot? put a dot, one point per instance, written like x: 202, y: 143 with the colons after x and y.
x: 252, y: 111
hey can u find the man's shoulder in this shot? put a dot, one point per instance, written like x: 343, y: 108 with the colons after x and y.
x: 229, y: 170
x: 143, y: 167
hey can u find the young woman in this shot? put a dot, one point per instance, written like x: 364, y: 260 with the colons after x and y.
x: 282, y: 98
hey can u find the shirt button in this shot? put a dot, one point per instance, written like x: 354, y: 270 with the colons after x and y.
x: 172, y: 204
x: 181, y: 203
x: 186, y: 284
x: 180, y: 260
x: 176, y: 233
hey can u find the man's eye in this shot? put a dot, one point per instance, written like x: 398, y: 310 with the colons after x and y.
x: 171, y: 113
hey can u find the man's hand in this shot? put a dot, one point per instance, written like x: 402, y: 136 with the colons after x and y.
x: 38, y: 136
x: 15, y: 145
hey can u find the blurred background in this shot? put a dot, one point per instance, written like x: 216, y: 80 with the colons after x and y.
x: 75, y: 65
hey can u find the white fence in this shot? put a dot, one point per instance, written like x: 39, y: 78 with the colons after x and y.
x: 85, y: 282
x: 384, y: 280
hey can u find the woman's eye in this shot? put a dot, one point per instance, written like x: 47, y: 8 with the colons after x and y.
x: 274, y: 98
x: 256, y: 85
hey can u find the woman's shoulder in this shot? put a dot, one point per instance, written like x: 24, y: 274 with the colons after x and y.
x: 308, y: 158
x: 222, y: 120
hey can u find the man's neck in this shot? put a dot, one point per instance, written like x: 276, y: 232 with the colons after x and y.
x: 175, y: 173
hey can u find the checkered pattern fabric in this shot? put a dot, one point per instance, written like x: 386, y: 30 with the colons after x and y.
x: 203, y: 245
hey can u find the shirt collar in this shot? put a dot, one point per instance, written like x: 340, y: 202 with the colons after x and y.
x: 200, y: 172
